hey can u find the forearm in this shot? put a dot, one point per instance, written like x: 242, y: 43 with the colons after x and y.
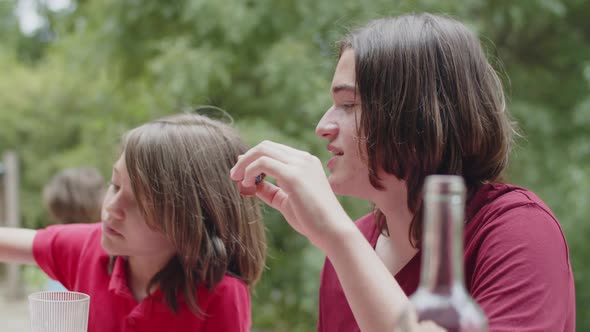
x: 376, y: 304
x: 16, y: 245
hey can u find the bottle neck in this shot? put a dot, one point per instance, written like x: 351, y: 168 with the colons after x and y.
x: 442, y: 261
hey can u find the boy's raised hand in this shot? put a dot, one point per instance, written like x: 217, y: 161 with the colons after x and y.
x: 302, y: 194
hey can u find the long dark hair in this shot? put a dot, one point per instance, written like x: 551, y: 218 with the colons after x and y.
x: 431, y: 104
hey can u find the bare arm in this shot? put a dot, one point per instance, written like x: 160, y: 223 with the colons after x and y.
x: 378, y: 303
x: 16, y: 245
x: 304, y: 197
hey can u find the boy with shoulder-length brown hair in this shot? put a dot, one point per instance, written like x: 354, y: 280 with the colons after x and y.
x: 413, y: 96
x: 214, y: 230
x: 177, y: 249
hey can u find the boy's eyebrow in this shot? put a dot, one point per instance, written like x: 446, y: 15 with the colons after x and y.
x: 343, y: 87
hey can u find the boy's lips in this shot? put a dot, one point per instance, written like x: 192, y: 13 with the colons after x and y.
x: 331, y: 161
x: 334, y: 150
x: 110, y: 230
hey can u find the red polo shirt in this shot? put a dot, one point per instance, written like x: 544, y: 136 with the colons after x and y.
x: 516, y: 261
x: 73, y: 255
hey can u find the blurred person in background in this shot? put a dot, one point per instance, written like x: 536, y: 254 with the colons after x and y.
x: 73, y: 195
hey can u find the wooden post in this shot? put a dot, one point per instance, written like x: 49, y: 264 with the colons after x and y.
x: 2, y: 200
x: 15, y: 287
x: 2, y: 212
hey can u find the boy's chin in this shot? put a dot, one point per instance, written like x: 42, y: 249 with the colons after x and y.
x: 338, y: 186
x: 108, y: 247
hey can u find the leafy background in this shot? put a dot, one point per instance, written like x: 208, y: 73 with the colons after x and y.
x: 95, y: 68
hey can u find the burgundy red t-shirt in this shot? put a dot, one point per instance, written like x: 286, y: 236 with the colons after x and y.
x: 73, y: 255
x: 516, y: 260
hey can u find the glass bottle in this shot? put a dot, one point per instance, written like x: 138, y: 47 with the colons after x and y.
x: 441, y: 296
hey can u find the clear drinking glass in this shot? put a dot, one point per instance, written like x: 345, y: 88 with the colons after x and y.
x: 441, y: 296
x: 59, y: 311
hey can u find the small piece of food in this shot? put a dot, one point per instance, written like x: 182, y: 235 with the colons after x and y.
x: 259, y: 178
x: 251, y: 191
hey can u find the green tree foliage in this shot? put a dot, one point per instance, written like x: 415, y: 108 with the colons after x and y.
x: 68, y: 91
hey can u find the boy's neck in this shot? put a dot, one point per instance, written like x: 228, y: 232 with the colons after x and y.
x: 141, y: 270
x: 395, y: 250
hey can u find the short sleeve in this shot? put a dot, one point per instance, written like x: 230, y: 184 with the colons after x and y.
x: 57, y: 250
x: 229, y: 308
x: 523, y: 279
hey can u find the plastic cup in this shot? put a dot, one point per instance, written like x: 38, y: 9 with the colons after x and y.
x: 59, y: 311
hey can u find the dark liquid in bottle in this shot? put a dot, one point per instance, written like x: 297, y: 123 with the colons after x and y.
x: 447, y: 318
